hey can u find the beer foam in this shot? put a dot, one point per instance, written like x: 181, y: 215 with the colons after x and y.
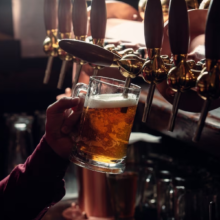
x: 111, y: 101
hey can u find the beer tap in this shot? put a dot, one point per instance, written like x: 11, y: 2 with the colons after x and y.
x: 98, y: 19
x: 50, y: 44
x: 65, y: 22
x: 130, y: 65
x: 79, y: 19
x: 154, y: 69
x: 208, y: 83
x: 180, y: 78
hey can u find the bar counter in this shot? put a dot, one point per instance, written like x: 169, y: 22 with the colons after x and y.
x: 186, y: 123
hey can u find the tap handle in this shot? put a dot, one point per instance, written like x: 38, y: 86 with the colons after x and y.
x: 64, y: 16
x: 178, y: 27
x: 212, y: 32
x: 79, y: 18
x: 212, y: 47
x: 98, y: 19
x: 89, y: 52
x: 50, y: 14
x: 153, y: 24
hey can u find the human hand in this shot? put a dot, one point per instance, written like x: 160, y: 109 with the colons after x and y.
x: 66, y: 94
x: 62, y: 119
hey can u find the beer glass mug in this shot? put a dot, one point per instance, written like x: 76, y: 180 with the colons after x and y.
x: 106, y: 123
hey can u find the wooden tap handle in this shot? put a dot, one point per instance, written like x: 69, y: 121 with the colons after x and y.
x: 178, y: 27
x: 79, y: 18
x: 153, y: 24
x: 212, y: 32
x: 50, y: 14
x: 65, y: 16
x: 98, y: 19
x: 88, y: 52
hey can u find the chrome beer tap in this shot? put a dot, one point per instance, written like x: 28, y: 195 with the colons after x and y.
x: 79, y: 19
x: 50, y: 44
x: 65, y: 32
x: 180, y: 78
x: 208, y: 83
x: 154, y: 70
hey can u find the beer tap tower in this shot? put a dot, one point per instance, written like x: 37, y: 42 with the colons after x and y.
x: 50, y: 44
x: 208, y: 83
x: 65, y: 32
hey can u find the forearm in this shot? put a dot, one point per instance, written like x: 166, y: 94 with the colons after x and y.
x: 34, y: 186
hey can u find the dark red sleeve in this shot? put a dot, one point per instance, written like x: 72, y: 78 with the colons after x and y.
x: 32, y: 187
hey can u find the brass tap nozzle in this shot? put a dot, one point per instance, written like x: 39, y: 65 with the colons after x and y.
x: 154, y: 72
x: 50, y: 44
x: 208, y: 88
x: 130, y: 65
x: 180, y: 78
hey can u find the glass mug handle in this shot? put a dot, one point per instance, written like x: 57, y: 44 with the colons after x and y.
x: 80, y: 90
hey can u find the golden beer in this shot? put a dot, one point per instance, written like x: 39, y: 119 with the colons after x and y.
x: 105, y: 127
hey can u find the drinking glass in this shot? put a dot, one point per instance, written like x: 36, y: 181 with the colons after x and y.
x: 123, y: 189
x: 106, y: 123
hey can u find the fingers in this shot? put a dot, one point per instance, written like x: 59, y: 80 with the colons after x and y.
x: 61, y: 96
x: 68, y: 91
x: 70, y: 122
x: 61, y: 105
x: 67, y: 94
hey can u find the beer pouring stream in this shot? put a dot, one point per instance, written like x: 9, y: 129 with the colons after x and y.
x: 208, y: 83
x: 65, y: 32
x: 79, y: 19
x: 98, y: 19
x: 50, y: 44
x: 155, y: 70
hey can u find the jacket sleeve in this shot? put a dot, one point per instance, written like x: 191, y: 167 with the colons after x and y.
x: 33, y: 187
